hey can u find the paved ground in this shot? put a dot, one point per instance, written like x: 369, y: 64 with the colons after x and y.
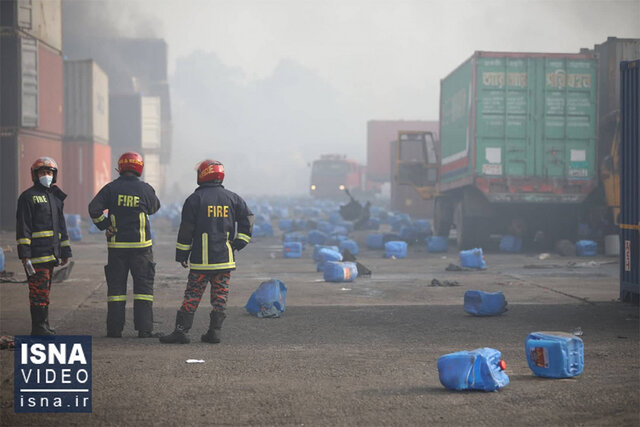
x: 362, y: 353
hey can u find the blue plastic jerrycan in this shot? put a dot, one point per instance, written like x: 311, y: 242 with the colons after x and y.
x: 480, y: 369
x: 335, y: 271
x: 292, y: 249
x: 397, y: 249
x: 374, y: 241
x: 480, y: 303
x: 555, y: 354
x: 437, y: 243
x: 472, y: 258
x: 586, y: 248
x: 1, y: 260
x: 351, y: 245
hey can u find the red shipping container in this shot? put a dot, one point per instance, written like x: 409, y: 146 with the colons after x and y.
x: 88, y: 169
x: 51, y: 90
x: 380, y: 133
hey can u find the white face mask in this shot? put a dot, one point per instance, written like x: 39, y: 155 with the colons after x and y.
x: 46, y: 180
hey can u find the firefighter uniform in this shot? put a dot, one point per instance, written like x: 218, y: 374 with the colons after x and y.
x: 129, y: 202
x: 215, y: 223
x: 41, y: 234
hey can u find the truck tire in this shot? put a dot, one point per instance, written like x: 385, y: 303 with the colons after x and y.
x: 442, y: 216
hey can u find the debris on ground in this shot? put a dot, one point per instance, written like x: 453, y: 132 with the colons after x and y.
x: 61, y: 274
x: 544, y: 256
x: 362, y: 270
x: 9, y: 277
x: 577, y: 332
x: 436, y: 282
x: 7, y: 342
x: 455, y: 267
x: 194, y: 361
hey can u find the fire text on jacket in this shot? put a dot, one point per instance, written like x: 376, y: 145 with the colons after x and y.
x: 39, y: 199
x: 128, y: 201
x: 218, y: 211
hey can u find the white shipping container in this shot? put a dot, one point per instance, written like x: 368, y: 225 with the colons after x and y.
x: 86, y: 92
x: 42, y: 19
x: 151, y: 122
x: 153, y: 172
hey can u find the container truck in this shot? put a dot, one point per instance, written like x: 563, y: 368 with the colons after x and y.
x: 518, y: 138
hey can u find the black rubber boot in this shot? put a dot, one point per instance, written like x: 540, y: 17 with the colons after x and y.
x: 39, y: 319
x: 184, y: 321
x: 213, y: 334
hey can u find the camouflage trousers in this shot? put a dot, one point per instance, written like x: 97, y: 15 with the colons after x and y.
x: 40, y: 284
x: 197, y: 284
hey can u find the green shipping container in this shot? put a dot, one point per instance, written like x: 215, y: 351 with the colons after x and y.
x: 521, y: 127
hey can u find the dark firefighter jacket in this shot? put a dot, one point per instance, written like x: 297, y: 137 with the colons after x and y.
x: 129, y: 201
x: 207, y: 234
x: 41, y: 230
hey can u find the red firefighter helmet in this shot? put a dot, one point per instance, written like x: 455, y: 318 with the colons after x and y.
x: 132, y: 162
x: 210, y: 171
x: 44, y: 163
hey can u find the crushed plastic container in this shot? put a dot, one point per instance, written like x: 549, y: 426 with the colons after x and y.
x: 396, y: 249
x: 292, y: 249
x: 586, y: 248
x: 317, y: 237
x: 554, y: 354
x: 480, y: 369
x: 351, y: 245
x: 335, y: 271
x: 437, y: 243
x: 511, y: 244
x: 472, y: 258
x: 269, y: 300
x: 480, y: 303
x: 375, y: 241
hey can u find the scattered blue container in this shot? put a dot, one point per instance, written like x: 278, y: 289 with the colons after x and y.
x: 295, y: 236
x: 472, y: 258
x: 1, y: 260
x: 334, y: 271
x: 390, y: 237
x: 372, y: 224
x: 437, y: 244
x: 511, y: 244
x: 285, y: 224
x: 554, y: 354
x: 73, y: 220
x: 266, y: 229
x: 325, y: 227
x: 292, y: 249
x: 75, y: 234
x: 408, y: 233
x: 423, y: 226
x: 317, y: 248
x: 351, y: 245
x: 480, y: 369
x: 340, y: 229
x: 326, y: 255
x: 269, y: 300
x: 480, y: 303
x: 586, y: 248
x: 396, y: 249
x: 374, y: 241
x: 335, y: 218
x: 316, y: 237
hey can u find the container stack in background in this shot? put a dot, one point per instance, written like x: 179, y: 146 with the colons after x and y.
x: 31, y: 118
x: 85, y: 148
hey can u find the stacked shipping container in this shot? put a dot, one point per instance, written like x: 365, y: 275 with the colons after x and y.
x: 135, y: 125
x: 86, y: 153
x: 31, y: 120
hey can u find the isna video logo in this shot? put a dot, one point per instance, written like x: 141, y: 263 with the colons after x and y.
x: 52, y: 374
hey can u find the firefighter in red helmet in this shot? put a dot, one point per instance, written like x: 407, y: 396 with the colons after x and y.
x: 43, y: 242
x: 215, y: 223
x: 129, y: 202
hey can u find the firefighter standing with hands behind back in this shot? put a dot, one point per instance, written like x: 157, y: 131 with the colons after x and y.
x: 43, y: 242
x: 208, y: 238
x: 130, y: 201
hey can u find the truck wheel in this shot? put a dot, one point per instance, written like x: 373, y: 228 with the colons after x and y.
x: 472, y: 232
x: 442, y: 216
